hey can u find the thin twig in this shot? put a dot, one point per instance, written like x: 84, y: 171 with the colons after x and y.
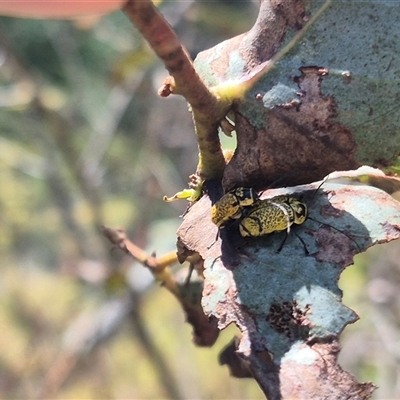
x: 158, y: 266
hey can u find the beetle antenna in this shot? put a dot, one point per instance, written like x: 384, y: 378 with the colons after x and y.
x: 319, y: 187
x: 338, y: 230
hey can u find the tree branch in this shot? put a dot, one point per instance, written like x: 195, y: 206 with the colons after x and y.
x: 208, y: 109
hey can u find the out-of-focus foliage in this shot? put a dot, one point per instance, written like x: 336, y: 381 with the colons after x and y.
x: 85, y: 141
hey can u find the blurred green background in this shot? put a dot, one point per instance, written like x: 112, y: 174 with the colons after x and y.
x: 85, y: 141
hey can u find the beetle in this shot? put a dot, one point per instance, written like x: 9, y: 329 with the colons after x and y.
x: 276, y: 214
x: 273, y: 215
x: 232, y: 205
